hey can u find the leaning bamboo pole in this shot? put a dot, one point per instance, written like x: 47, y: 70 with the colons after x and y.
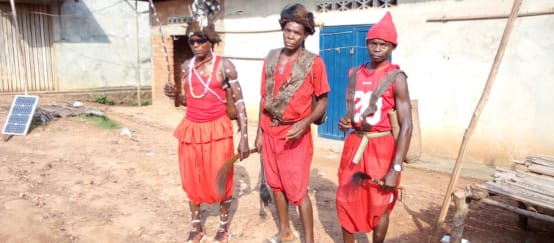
x: 474, y: 119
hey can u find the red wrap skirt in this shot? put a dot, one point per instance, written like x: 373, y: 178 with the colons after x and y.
x: 360, y: 208
x: 287, y: 165
x: 203, y: 149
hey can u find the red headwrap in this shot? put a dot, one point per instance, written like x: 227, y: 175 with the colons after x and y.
x: 384, y: 30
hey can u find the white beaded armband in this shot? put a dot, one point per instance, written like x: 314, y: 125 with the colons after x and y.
x: 233, y: 81
x: 239, y: 101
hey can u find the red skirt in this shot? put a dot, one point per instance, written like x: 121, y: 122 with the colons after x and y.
x: 287, y: 165
x: 203, y: 149
x: 360, y: 208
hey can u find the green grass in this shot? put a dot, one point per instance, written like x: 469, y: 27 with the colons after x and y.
x: 100, y: 122
x: 104, y: 100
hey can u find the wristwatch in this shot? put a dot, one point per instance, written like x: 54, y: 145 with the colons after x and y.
x: 397, y: 167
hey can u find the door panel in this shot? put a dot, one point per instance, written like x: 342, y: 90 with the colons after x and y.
x: 26, y: 64
x: 341, y: 47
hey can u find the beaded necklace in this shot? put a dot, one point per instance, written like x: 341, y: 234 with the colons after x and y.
x: 204, y: 83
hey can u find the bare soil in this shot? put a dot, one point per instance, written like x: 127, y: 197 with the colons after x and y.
x: 70, y: 181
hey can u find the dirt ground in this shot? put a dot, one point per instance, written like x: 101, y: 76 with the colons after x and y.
x: 70, y: 181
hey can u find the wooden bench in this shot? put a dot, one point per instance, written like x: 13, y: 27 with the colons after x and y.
x: 532, y: 187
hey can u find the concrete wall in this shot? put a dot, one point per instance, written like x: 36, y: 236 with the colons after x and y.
x: 448, y: 65
x: 95, y: 43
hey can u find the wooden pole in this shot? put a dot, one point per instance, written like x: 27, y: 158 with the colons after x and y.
x: 519, y: 211
x: 435, y: 237
x: 488, y: 17
x: 138, y: 53
x: 462, y: 206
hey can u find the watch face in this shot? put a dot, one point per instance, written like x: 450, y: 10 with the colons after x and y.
x: 397, y: 168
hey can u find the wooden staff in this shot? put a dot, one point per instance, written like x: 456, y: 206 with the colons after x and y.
x: 469, y: 131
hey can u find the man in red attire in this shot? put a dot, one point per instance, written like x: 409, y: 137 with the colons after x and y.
x: 292, y: 76
x: 206, y: 133
x: 371, y: 148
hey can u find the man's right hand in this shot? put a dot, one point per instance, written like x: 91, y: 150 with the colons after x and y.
x: 345, y: 123
x: 258, y: 141
x: 169, y: 90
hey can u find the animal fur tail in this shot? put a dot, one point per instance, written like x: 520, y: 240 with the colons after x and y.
x: 265, y: 193
x: 223, y: 173
x: 359, y: 177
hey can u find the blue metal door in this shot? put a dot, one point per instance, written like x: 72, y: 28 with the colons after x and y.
x: 341, y: 47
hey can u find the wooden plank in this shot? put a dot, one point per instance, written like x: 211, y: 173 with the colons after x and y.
x: 541, y: 169
x: 24, y: 42
x: 541, y: 161
x: 43, y: 71
x: 12, y: 52
x: 523, y: 196
x: 8, y: 62
x: 546, y: 189
x: 47, y: 35
x: 528, y: 178
x: 7, y: 26
x: 30, y: 43
x: 3, y: 66
x: 542, y: 156
x: 52, y: 71
x: 535, y: 188
x: 19, y: 53
x: 531, y: 176
x: 35, y: 47
x: 520, y: 211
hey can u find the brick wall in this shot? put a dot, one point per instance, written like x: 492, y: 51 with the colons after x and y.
x: 159, y: 66
x: 176, y: 44
x: 166, y: 9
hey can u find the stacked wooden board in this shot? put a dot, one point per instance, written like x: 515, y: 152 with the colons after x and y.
x: 530, y: 183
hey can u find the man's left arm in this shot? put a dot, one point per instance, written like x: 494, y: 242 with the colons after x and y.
x: 321, y: 89
x: 242, y: 119
x: 404, y: 113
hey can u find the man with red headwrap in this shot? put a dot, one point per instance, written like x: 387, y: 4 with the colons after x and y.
x: 370, y: 149
x: 292, y: 79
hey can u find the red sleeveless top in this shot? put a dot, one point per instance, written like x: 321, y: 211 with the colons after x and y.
x: 366, y: 83
x: 206, y: 102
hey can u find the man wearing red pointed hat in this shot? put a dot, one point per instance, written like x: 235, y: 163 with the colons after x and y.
x: 371, y: 161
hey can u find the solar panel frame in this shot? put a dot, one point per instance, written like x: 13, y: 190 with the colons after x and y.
x: 21, y: 115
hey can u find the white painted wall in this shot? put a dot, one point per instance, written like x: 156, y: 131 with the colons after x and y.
x: 95, y: 43
x: 448, y: 65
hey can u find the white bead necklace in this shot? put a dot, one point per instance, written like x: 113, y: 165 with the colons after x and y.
x: 204, y: 83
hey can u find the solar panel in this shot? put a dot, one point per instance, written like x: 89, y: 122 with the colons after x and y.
x: 21, y: 115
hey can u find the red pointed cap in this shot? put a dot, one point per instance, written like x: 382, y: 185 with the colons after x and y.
x: 384, y: 30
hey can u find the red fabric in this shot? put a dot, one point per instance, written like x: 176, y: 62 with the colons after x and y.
x: 203, y: 149
x: 209, y: 107
x: 300, y: 105
x: 384, y: 30
x: 367, y: 82
x: 359, y: 209
x: 287, y: 165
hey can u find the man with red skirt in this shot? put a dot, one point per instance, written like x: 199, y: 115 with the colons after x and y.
x: 294, y: 95
x: 205, y: 134
x: 370, y: 150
